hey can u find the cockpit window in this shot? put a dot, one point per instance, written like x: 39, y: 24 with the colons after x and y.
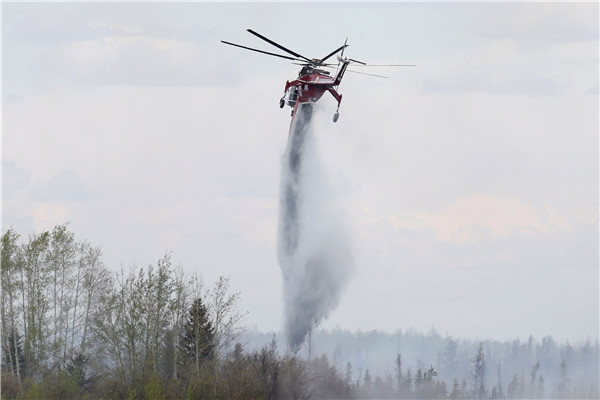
x: 305, y: 71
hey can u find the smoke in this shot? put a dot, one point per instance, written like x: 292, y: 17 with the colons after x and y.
x: 313, y: 248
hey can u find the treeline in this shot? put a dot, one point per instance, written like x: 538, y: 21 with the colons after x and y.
x: 444, y: 368
x: 426, y: 384
x: 73, y: 329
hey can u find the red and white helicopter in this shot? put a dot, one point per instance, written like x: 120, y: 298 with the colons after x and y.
x: 312, y: 80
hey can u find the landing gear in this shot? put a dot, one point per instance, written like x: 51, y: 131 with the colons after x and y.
x: 281, y: 102
x: 338, y: 97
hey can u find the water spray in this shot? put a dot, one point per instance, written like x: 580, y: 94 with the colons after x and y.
x: 313, y: 249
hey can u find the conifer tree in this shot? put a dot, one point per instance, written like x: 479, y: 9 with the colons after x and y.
x: 478, y: 374
x: 197, y: 341
x: 407, y: 384
x: 564, y: 382
x: 455, y: 393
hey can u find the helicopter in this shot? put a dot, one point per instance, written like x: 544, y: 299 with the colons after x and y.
x: 313, y: 80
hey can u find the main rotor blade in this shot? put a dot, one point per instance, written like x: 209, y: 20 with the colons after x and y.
x: 356, y: 61
x: 278, y: 45
x: 260, y: 51
x: 384, y: 65
x: 331, y: 66
x: 364, y: 73
x: 333, y: 52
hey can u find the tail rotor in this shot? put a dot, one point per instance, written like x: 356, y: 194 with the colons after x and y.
x: 341, y: 55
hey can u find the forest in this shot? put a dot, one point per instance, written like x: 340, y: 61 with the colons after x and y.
x: 72, y: 328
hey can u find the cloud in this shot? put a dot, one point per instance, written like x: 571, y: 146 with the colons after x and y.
x: 139, y: 60
x: 43, y: 26
x: 507, y: 67
x: 112, y: 27
x: 532, y: 86
x: 66, y: 187
x: 48, y: 215
x: 586, y: 215
x: 531, y: 49
x: 90, y: 45
x: 540, y: 21
x: 13, y: 178
x: 55, y: 24
x: 466, y: 220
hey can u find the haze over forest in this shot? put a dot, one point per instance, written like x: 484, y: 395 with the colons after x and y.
x: 71, y: 328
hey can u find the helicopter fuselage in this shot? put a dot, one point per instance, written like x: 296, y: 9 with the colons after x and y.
x: 307, y: 88
x: 310, y: 86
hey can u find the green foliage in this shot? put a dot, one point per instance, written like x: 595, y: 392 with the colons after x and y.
x: 71, y: 329
x: 240, y: 379
x: 57, y: 386
x: 196, y: 344
x: 153, y: 389
x: 329, y: 384
x: 10, y: 386
x: 32, y: 390
x: 201, y: 387
x: 132, y: 394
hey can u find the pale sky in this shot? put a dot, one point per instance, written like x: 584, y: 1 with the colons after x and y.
x: 469, y: 183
